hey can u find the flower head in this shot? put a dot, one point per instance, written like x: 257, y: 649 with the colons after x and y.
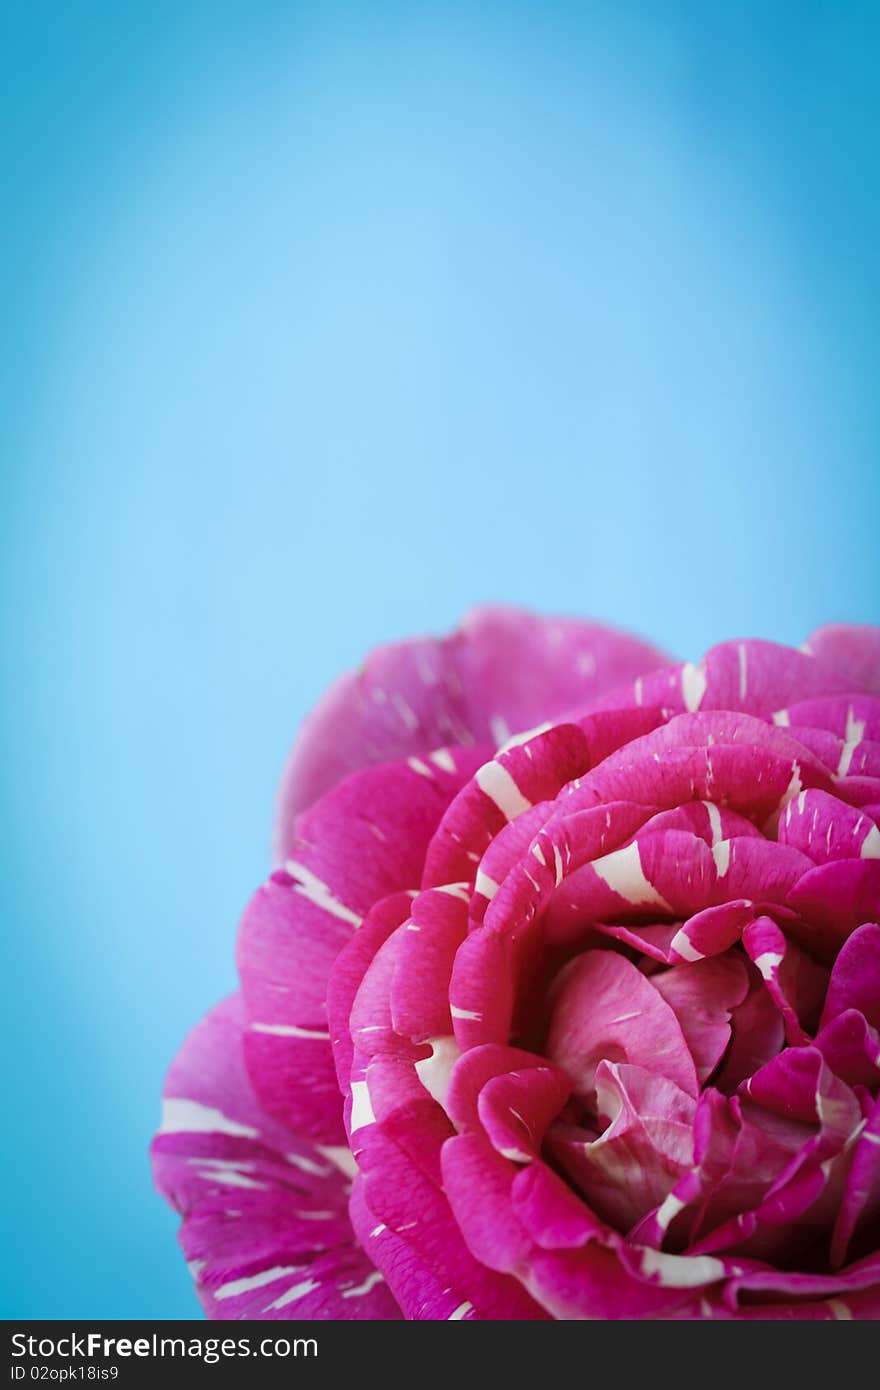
x: 590, y: 1014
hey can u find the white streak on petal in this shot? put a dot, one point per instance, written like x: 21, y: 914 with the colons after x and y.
x: 191, y: 1117
x: 226, y: 1174
x: 406, y: 712
x: 496, y: 782
x: 517, y: 740
x: 340, y: 1155
x: 361, y: 1106
x: 455, y: 890
x: 871, y: 844
x: 443, y: 758
x: 767, y: 962
x: 681, y: 1271
x: 418, y: 766
x: 369, y: 1283
x: 623, y: 873
x: 742, y: 657
x: 499, y: 729
x: 714, y: 821
x: 485, y: 884
x: 235, y: 1287
x: 793, y: 789
x: 461, y: 1311
x: 288, y: 1030
x: 434, y: 1071
x: 311, y: 887
x: 668, y: 1210
x: 693, y: 685
x: 684, y: 947
x: 855, y: 731
x: 292, y: 1294
x: 308, y: 1165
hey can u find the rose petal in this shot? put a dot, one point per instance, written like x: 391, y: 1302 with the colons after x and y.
x: 266, y: 1228
x: 606, y: 1010
x: 852, y: 649
x: 855, y: 977
x: 645, y: 1148
x: 703, y: 997
x: 825, y: 828
x: 795, y: 983
x: 295, y: 926
x: 505, y: 670
x: 860, y: 1204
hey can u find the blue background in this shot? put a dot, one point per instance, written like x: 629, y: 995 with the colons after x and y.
x: 320, y: 323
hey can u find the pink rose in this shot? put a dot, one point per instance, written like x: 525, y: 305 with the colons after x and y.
x: 603, y: 1005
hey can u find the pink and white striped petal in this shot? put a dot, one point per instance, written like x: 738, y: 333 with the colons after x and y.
x: 503, y: 671
x: 265, y: 1212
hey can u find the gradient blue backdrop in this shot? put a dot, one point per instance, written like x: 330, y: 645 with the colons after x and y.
x: 320, y: 323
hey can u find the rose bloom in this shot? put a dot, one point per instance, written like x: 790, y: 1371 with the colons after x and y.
x: 574, y: 1023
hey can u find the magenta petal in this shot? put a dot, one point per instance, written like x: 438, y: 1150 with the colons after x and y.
x: 836, y: 898
x: 516, y: 1109
x: 266, y: 1227
x: 863, y: 1277
x: 606, y: 1010
x: 646, y: 1146
x: 797, y: 1086
x: 653, y: 940
x: 594, y: 1283
x: 851, y: 1047
x: 348, y: 971
x: 757, y: 1033
x: 503, y: 854
x: 860, y: 1204
x: 419, y: 1292
x: 824, y: 828
x: 419, y: 995
x: 370, y: 1023
x: 542, y: 667
x: 551, y: 1213
x: 477, y: 1181
x: 795, y: 983
x: 416, y: 1209
x: 753, y: 768
x: 853, y: 650
x: 474, y: 1070
x: 855, y: 978
x: 504, y: 671
x: 835, y: 714
x: 295, y: 926
x: 514, y: 783
x: 712, y: 930
x: 703, y: 997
